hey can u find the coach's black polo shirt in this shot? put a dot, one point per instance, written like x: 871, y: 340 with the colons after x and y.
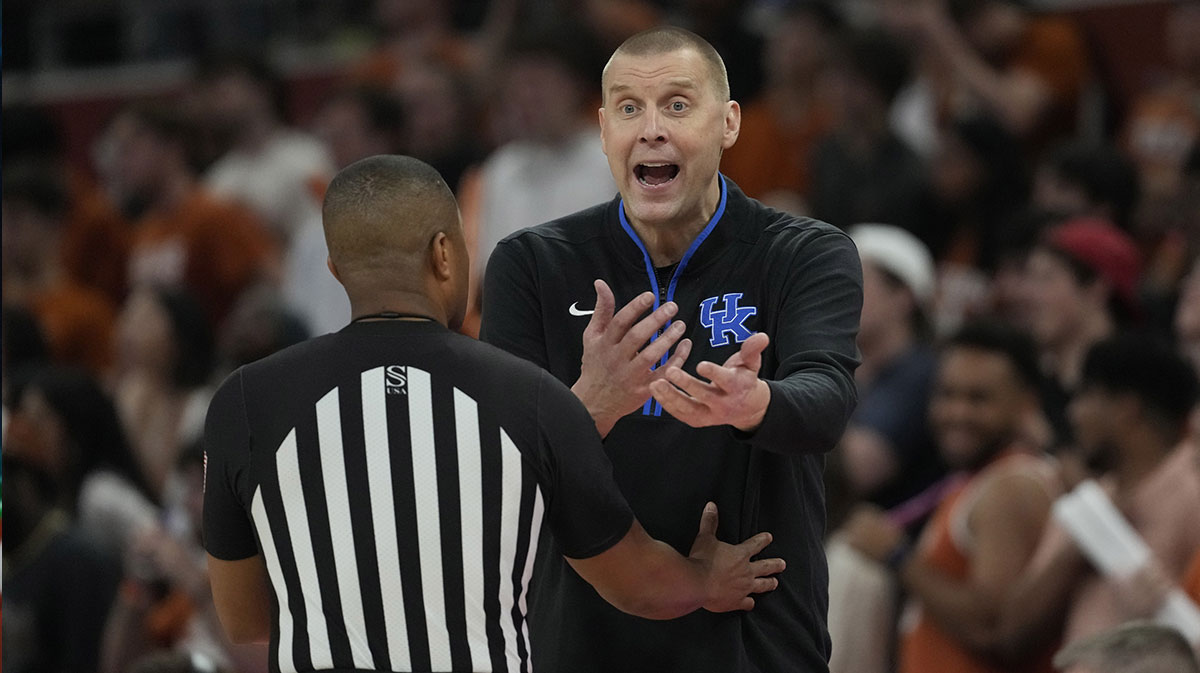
x: 751, y: 269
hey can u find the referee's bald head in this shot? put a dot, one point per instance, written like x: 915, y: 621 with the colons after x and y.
x: 382, y: 213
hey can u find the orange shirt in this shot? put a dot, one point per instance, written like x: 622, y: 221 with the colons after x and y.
x: 95, y: 241
x: 928, y: 648
x: 213, y: 248
x: 1054, y: 51
x: 770, y: 155
x: 78, y: 323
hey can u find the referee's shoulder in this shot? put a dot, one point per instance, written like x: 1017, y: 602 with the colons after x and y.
x: 494, y: 363
x: 287, y: 359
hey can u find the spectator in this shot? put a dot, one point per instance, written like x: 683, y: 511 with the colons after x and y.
x: 77, y: 320
x: 58, y: 584
x: 887, y: 452
x: 861, y: 171
x: 1164, y: 123
x: 979, y: 186
x: 270, y: 168
x: 184, y: 236
x: 68, y: 426
x: 360, y: 122
x: 96, y: 235
x: 1080, y: 179
x: 165, y: 364
x: 260, y: 324
x: 355, y: 123
x: 23, y: 345
x: 441, y: 128
x: 165, y: 602
x: 553, y: 163
x: 983, y: 534
x: 1081, y: 285
x: 771, y: 160
x: 722, y: 23
x: 1129, y: 416
x: 411, y: 31
x: 1026, y: 70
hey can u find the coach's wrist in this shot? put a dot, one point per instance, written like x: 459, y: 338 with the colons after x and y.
x: 759, y: 401
x: 604, y: 419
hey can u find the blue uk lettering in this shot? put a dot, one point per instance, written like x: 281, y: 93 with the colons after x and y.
x: 729, y: 320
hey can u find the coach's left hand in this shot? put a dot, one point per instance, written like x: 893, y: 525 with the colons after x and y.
x: 732, y: 395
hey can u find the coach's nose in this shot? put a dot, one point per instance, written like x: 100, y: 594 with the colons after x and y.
x: 653, y: 130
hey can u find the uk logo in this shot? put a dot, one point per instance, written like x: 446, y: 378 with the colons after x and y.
x: 730, y: 320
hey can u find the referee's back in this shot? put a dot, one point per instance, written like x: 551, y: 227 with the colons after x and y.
x: 395, y: 476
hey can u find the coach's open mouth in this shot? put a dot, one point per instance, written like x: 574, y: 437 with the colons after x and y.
x: 653, y: 175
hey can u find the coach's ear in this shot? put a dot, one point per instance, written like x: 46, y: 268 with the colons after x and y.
x: 333, y: 269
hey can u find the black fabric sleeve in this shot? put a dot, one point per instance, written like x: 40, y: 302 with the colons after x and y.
x: 584, y: 507
x: 512, y: 314
x: 813, y: 391
x: 228, y: 529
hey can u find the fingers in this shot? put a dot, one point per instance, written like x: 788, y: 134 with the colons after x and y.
x: 708, y: 520
x: 755, y: 544
x: 682, y: 351
x: 764, y: 584
x: 676, y: 402
x: 747, y: 604
x: 648, y: 326
x: 697, y: 389
x: 624, y: 319
x: 651, y: 354
x: 605, y: 303
x: 768, y: 566
x: 750, y: 354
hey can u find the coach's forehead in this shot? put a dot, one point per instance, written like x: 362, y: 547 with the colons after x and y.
x: 684, y: 68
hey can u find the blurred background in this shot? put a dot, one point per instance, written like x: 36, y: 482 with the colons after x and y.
x: 1030, y: 162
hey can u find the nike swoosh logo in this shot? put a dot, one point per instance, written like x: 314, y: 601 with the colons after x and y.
x: 575, y: 310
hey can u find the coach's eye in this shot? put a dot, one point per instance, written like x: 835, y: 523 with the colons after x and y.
x: 678, y: 106
x: 628, y: 108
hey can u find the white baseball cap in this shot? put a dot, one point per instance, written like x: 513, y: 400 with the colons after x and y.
x: 899, y: 253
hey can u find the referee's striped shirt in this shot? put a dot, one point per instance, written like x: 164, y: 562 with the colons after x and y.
x: 395, y: 478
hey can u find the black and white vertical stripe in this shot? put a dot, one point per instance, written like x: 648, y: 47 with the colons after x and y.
x: 399, y: 532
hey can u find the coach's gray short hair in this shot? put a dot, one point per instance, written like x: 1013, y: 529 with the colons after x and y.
x: 666, y: 39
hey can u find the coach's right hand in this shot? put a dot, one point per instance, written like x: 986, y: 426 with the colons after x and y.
x: 617, y: 366
x: 732, y: 576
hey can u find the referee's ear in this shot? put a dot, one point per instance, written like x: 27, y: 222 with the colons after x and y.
x: 441, y: 256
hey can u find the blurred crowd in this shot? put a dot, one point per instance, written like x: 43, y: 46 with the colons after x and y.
x: 1031, y: 316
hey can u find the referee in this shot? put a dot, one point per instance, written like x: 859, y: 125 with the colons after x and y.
x: 374, y: 497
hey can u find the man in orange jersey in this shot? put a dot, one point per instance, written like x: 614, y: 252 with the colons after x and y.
x: 984, y: 533
x: 184, y: 235
x: 1129, y: 417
